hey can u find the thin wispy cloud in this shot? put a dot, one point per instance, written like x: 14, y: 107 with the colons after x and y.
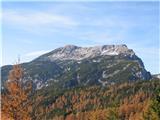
x: 36, y: 53
x: 36, y: 19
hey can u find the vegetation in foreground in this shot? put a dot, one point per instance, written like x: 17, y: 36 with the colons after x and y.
x: 127, y: 101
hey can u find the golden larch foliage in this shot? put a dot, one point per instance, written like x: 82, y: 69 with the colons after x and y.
x: 15, y: 98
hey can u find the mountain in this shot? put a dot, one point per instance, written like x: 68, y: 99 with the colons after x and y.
x: 71, y: 66
x: 106, y: 82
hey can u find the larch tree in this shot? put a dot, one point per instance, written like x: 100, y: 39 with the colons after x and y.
x: 16, y: 103
x: 153, y: 112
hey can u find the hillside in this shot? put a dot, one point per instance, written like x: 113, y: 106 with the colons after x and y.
x: 127, y: 101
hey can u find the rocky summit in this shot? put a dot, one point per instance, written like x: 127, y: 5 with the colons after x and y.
x: 72, y: 52
x: 72, y: 66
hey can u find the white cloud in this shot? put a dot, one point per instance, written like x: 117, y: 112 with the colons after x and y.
x: 36, y: 53
x: 37, y: 19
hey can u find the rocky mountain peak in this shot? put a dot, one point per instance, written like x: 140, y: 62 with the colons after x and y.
x: 70, y: 47
x: 72, y: 52
x: 116, y: 50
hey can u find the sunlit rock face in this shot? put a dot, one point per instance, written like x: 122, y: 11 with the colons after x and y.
x: 72, y: 52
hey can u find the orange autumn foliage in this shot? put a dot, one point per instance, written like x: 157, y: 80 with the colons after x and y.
x: 15, y: 99
x: 133, y: 107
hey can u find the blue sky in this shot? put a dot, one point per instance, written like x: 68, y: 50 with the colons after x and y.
x: 30, y: 29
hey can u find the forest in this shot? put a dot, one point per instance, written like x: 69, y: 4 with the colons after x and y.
x: 139, y: 100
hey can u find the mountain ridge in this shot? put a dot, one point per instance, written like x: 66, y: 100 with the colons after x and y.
x: 72, y: 66
x: 72, y: 52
